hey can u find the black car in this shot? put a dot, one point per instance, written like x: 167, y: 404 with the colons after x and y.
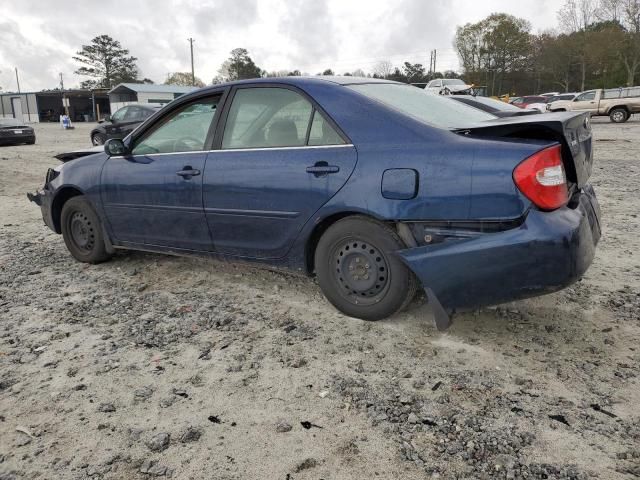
x: 492, y: 106
x: 15, y: 132
x: 122, y: 122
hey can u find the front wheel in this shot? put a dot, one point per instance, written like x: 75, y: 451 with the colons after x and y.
x: 98, y: 139
x: 358, y: 271
x: 618, y: 115
x: 82, y: 231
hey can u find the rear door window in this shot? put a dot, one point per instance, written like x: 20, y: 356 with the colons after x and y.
x: 322, y: 133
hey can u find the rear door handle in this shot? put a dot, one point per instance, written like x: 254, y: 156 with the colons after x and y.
x: 188, y: 172
x: 322, y: 168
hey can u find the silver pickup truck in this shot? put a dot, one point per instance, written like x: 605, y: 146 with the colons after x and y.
x: 618, y: 103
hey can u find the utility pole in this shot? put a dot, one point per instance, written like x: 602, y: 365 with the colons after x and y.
x: 17, y: 80
x: 193, y: 75
x: 431, y: 64
x: 435, y: 56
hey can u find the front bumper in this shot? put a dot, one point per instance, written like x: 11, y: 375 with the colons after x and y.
x: 547, y: 252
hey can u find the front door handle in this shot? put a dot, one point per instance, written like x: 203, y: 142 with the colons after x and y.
x: 188, y: 172
x: 321, y: 169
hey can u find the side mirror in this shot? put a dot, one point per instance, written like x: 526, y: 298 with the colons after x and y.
x: 107, y: 118
x: 115, y: 147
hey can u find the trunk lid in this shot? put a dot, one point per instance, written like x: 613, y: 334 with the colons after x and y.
x: 572, y: 130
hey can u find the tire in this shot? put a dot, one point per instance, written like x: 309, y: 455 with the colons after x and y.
x: 618, y: 115
x: 82, y: 231
x: 358, y: 272
x: 31, y: 142
x: 98, y: 139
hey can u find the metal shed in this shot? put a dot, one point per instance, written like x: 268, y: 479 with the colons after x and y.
x: 47, y: 106
x: 126, y: 93
x: 22, y: 106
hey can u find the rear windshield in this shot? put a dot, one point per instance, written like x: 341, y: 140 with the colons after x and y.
x: 432, y: 109
x: 9, y: 122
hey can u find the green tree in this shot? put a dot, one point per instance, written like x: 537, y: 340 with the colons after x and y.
x: 239, y: 66
x: 329, y: 72
x: 493, y: 49
x: 184, y: 79
x: 106, y: 62
x: 414, y: 72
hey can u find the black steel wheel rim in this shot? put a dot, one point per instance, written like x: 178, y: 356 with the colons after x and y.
x: 82, y: 232
x: 360, y: 271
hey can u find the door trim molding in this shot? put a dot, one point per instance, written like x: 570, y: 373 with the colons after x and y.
x: 229, y: 150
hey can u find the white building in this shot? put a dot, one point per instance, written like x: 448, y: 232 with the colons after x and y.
x: 126, y: 93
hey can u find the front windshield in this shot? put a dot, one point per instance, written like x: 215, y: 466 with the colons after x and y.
x: 453, y: 81
x: 435, y: 110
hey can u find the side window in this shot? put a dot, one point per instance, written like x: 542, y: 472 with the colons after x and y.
x: 437, y: 83
x: 322, y: 133
x: 146, y: 113
x: 267, y: 117
x: 586, y: 96
x: 133, y: 114
x: 119, y: 115
x: 184, y: 130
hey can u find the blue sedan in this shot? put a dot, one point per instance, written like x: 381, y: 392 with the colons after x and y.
x: 373, y: 186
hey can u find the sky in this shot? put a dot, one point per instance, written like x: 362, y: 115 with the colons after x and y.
x: 39, y: 37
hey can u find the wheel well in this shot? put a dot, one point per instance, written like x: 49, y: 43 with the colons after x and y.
x: 623, y: 107
x: 319, y: 230
x: 58, y: 202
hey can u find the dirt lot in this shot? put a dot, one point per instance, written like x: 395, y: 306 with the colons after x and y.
x: 151, y: 366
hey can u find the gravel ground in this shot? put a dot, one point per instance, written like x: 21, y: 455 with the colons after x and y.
x: 155, y: 366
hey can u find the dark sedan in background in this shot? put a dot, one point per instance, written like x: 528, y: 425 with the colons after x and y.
x: 122, y: 122
x: 15, y: 132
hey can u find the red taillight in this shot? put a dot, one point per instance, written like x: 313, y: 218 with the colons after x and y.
x: 542, y: 180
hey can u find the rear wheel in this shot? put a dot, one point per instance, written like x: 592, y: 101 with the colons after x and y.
x: 98, y: 139
x: 82, y: 231
x: 619, y: 115
x: 358, y: 271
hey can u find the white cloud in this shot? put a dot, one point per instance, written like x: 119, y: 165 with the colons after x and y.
x: 40, y: 36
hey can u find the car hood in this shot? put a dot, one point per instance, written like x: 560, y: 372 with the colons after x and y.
x: 67, y: 156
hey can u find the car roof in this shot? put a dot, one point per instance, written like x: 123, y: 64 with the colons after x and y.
x: 301, y: 81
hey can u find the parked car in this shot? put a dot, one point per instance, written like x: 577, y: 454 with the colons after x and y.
x: 448, y: 86
x: 372, y: 186
x: 15, y: 132
x: 558, y: 103
x: 122, y: 122
x: 491, y: 105
x: 524, y: 102
x: 617, y: 103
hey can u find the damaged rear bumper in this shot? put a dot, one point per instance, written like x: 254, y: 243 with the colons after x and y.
x: 547, y: 252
